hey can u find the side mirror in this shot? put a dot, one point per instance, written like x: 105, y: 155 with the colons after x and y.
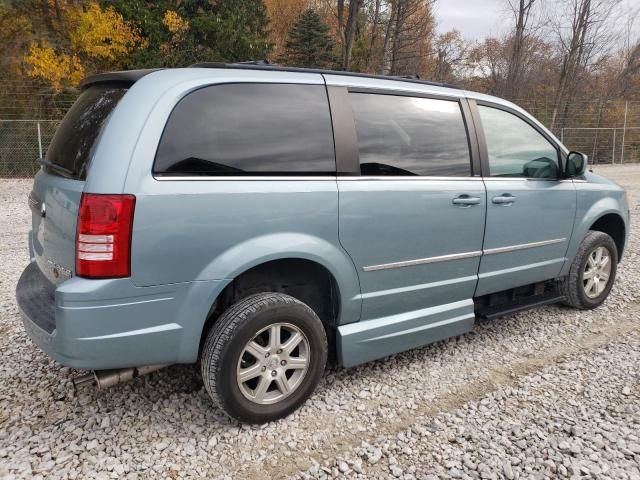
x: 576, y: 164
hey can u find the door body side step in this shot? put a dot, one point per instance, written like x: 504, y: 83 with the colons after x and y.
x: 507, y: 309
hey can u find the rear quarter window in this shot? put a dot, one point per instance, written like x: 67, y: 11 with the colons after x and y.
x: 72, y: 146
x: 249, y: 129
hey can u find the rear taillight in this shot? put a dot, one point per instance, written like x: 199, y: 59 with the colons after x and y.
x: 103, y: 236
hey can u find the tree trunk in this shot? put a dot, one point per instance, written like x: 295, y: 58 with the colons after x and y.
x: 341, y: 31
x: 354, y: 11
x: 573, y: 58
x: 348, y: 31
x: 395, y: 43
x: 514, y: 72
x: 386, y: 53
x: 374, y: 35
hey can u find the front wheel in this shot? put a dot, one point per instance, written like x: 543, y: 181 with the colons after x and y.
x: 592, y: 272
x: 264, y: 357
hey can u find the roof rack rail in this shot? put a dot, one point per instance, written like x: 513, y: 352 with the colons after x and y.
x: 263, y: 65
x: 255, y: 62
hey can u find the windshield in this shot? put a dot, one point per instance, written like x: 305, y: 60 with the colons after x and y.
x: 72, y: 145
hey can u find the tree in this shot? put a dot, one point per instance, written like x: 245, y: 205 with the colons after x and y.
x: 408, y: 38
x: 625, y: 67
x: 550, y: 59
x: 283, y: 15
x: 99, y: 33
x: 451, y: 52
x: 373, y: 36
x: 521, y: 11
x: 57, y: 69
x: 178, y: 29
x: 587, y: 36
x: 347, y: 28
x: 489, y: 62
x: 221, y: 31
x: 237, y: 31
x: 15, y: 36
x: 309, y: 44
x: 89, y: 39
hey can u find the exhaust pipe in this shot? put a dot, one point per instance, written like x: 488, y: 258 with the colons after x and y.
x: 109, y: 378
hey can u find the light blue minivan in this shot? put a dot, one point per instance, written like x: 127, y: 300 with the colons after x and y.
x: 260, y: 219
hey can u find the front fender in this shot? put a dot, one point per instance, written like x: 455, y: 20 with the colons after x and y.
x: 588, y: 213
x: 258, y: 250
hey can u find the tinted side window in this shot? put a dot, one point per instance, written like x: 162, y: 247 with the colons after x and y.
x: 243, y: 129
x: 410, y: 136
x: 515, y: 148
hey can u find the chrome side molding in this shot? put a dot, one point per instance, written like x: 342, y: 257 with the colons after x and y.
x: 459, y: 256
x: 523, y: 246
x: 421, y: 261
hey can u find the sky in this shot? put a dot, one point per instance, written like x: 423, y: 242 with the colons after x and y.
x: 475, y: 19
x: 479, y: 19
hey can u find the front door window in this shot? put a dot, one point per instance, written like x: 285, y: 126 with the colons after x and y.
x: 515, y: 148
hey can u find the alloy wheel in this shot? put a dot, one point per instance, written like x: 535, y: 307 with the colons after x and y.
x: 597, y: 272
x: 273, y: 363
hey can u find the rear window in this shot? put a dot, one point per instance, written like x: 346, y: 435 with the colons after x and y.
x: 249, y: 129
x: 72, y: 145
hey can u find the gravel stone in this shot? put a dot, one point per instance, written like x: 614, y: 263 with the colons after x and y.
x: 508, y: 471
x: 396, y: 471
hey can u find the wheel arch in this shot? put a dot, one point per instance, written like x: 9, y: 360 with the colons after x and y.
x: 306, y: 280
x: 613, y: 225
x: 314, y: 271
x: 590, y: 215
x: 268, y: 248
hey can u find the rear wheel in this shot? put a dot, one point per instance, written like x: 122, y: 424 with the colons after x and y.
x: 264, y: 357
x: 592, y: 272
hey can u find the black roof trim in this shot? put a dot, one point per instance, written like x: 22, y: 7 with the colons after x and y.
x: 125, y: 76
x: 280, y: 68
x: 132, y: 76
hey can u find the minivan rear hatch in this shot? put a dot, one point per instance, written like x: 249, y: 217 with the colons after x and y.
x: 59, y: 184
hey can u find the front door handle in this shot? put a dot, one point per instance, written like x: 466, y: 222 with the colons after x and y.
x: 465, y: 200
x: 504, y: 199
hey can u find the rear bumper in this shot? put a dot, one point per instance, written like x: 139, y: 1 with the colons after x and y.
x: 36, y: 299
x: 101, y: 324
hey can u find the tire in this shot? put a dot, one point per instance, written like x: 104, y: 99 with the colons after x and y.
x: 227, y: 352
x: 573, y: 285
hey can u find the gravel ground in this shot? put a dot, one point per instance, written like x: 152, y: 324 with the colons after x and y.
x: 544, y: 394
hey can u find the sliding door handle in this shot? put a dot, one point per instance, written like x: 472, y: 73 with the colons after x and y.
x: 504, y: 199
x: 465, y: 200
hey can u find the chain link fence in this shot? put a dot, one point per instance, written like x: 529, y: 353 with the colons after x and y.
x: 604, y: 145
x: 607, y: 132
x: 22, y: 142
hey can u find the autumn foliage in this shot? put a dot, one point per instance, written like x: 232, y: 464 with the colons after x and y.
x: 58, y: 69
x: 92, y: 37
x: 562, y: 52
